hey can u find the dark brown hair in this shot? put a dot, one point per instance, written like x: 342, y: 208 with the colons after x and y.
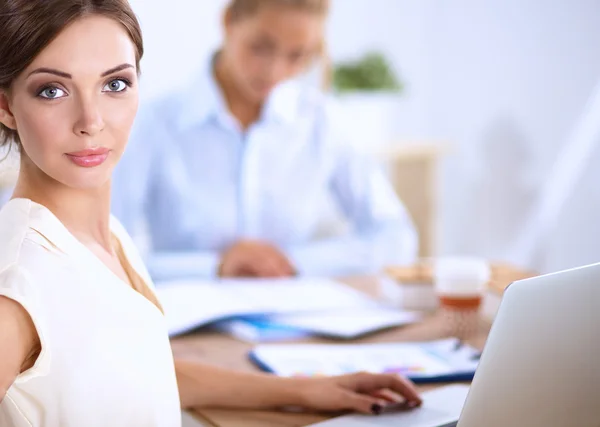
x: 28, y: 26
x: 242, y: 8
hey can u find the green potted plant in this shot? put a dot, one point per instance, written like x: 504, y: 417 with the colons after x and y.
x: 371, y: 73
x: 369, y: 91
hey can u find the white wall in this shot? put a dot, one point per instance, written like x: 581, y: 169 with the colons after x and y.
x: 508, y: 81
x: 503, y: 80
x: 178, y: 35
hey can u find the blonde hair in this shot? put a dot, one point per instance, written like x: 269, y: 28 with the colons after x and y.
x: 240, y: 9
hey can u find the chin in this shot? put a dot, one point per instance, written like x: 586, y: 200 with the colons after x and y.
x: 257, y: 95
x: 86, y: 179
x: 86, y: 184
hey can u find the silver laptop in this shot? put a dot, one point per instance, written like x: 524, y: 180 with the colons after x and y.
x: 540, y: 366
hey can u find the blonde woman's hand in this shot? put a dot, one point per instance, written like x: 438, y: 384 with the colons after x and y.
x: 251, y: 258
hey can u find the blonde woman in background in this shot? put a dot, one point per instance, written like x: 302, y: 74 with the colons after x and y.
x: 83, y: 341
x: 230, y: 176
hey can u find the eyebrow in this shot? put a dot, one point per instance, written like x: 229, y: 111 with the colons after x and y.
x: 59, y: 73
x: 50, y: 71
x: 116, y: 69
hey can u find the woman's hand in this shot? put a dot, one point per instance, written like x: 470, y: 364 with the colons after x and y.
x: 361, y: 392
x: 202, y: 385
x: 250, y: 258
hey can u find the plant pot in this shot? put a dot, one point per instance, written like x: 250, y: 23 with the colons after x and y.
x: 369, y: 118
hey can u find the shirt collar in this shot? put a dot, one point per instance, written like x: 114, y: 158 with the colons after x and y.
x: 203, y: 99
x: 43, y: 221
x: 35, y: 216
x: 282, y: 104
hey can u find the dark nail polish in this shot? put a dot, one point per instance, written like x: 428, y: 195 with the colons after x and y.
x: 376, y: 409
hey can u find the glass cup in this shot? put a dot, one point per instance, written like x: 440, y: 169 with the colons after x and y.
x: 460, y: 284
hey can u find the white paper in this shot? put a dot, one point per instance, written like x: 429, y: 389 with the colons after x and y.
x: 296, y: 295
x: 429, y: 359
x: 192, y: 304
x: 347, y: 323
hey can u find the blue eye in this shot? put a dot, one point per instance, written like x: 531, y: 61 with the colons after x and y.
x: 117, y: 85
x: 52, y: 93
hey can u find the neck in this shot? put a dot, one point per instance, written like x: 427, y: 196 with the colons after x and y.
x: 84, y: 212
x: 241, y: 107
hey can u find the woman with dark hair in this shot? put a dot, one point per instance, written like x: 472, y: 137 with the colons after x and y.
x: 83, y: 341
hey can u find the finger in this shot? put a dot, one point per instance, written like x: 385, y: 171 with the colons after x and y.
x: 278, y: 260
x: 227, y: 269
x: 235, y: 261
x: 290, y: 270
x: 388, y: 396
x: 282, y: 267
x: 275, y: 263
x: 284, y: 263
x: 237, y: 267
x: 246, y: 261
x: 363, y: 403
x: 266, y: 266
x: 285, y: 267
x: 404, y: 387
x: 369, y: 383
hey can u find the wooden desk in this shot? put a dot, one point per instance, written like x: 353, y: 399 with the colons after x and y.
x: 227, y: 352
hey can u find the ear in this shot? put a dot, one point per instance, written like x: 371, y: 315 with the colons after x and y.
x: 227, y: 19
x: 6, y: 116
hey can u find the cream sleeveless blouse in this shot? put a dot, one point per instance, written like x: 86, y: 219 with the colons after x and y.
x: 105, y: 356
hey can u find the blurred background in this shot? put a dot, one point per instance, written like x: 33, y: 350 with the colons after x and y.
x: 481, y: 132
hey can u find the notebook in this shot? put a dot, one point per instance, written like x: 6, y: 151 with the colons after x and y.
x: 423, y: 362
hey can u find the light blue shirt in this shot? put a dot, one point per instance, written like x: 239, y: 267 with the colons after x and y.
x: 198, y: 183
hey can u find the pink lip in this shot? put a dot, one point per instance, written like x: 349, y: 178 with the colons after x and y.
x: 89, y: 158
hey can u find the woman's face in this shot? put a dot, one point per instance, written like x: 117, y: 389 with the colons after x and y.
x: 272, y: 45
x: 74, y: 106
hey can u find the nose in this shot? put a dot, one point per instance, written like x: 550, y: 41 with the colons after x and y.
x: 89, y: 119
